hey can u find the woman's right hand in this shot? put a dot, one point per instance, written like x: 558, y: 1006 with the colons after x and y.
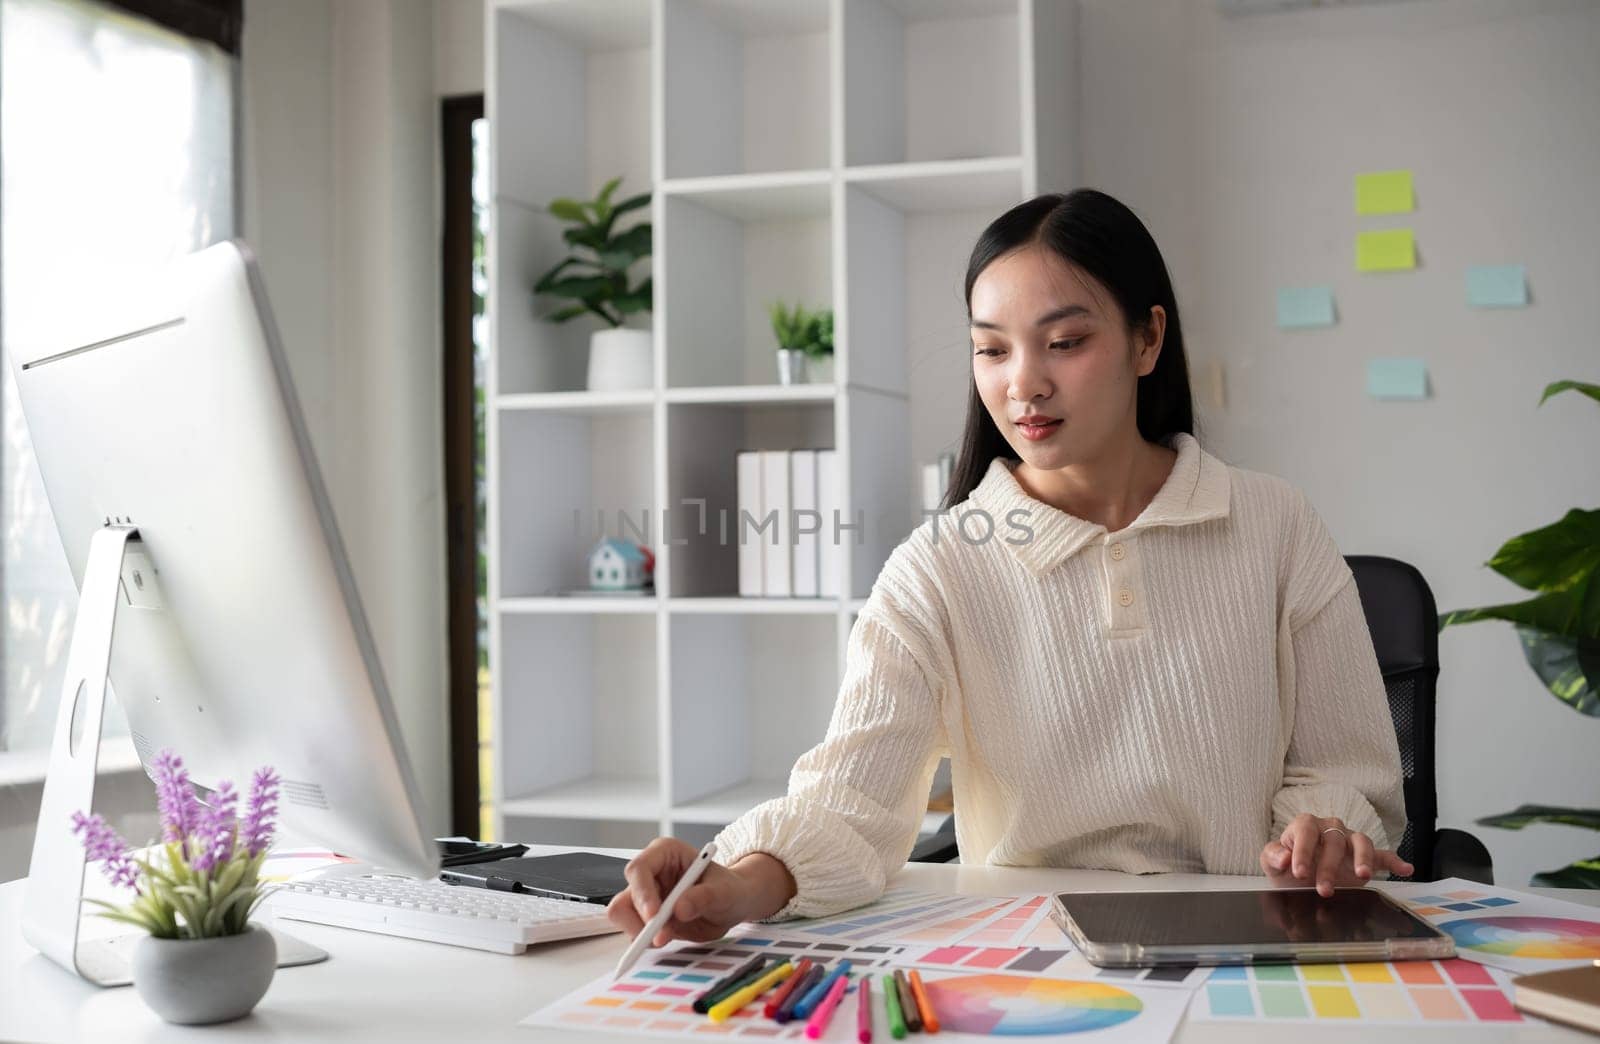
x: 758, y: 886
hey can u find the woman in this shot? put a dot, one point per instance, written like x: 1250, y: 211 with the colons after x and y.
x: 1137, y: 657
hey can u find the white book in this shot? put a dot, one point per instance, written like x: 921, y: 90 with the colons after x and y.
x: 807, y: 521
x: 830, y: 548
x: 777, y: 550
x: 749, y: 544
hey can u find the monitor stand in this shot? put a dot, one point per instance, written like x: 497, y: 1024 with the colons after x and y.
x: 52, y: 905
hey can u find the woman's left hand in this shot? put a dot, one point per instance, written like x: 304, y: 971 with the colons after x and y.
x: 1328, y: 851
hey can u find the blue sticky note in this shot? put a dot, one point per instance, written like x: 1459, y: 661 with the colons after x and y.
x: 1397, y: 379
x: 1300, y: 307
x: 1497, y: 286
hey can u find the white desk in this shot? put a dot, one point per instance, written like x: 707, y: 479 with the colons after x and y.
x: 376, y: 987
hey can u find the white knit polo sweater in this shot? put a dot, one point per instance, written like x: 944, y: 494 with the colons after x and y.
x: 1162, y: 698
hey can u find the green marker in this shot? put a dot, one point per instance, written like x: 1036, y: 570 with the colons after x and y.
x: 891, y: 1003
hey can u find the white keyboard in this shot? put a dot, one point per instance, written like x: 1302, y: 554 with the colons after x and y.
x: 505, y: 922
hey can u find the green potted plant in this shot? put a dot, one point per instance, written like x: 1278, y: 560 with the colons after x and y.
x: 593, y: 279
x: 802, y: 335
x: 203, y: 960
x: 1559, y: 629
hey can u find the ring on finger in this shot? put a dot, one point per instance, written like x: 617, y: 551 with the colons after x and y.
x: 1341, y: 831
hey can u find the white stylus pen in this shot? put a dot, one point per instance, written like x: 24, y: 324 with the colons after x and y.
x: 648, y: 932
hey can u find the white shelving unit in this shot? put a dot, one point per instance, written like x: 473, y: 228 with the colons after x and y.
x: 843, y: 153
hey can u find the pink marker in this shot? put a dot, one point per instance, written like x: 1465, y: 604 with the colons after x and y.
x: 864, y: 1012
x: 817, y: 1024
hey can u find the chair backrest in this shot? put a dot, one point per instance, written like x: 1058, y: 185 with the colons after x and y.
x: 1404, y: 621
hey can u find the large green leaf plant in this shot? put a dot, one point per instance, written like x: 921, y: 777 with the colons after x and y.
x: 1559, y: 628
x: 594, y: 277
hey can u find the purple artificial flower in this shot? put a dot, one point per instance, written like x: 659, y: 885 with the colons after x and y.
x: 256, y: 833
x: 180, y: 810
x: 102, y: 842
x: 214, y: 835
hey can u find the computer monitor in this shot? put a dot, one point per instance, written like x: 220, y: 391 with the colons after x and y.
x: 169, y: 437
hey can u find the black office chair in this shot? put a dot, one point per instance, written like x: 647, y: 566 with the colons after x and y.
x: 1404, y: 623
x: 1403, y: 620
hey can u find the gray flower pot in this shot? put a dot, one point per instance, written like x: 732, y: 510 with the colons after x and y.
x: 198, y: 981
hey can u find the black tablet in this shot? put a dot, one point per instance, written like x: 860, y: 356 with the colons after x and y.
x: 1273, y: 925
x: 585, y: 877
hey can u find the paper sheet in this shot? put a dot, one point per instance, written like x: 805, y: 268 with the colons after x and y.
x: 1386, y: 250
x: 1385, y: 192
x: 1516, y: 931
x: 1497, y: 286
x: 973, y: 1001
x: 1303, y: 307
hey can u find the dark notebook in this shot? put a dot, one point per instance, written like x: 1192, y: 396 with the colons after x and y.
x: 584, y: 877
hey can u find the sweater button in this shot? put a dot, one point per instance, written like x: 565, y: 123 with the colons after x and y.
x: 1118, y: 552
x: 1125, y: 597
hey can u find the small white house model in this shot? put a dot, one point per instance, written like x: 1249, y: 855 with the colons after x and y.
x: 618, y: 565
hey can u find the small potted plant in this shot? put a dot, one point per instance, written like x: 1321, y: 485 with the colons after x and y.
x: 204, y: 960
x: 594, y: 279
x: 802, y: 334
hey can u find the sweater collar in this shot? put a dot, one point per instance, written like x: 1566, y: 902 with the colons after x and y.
x: 1196, y: 491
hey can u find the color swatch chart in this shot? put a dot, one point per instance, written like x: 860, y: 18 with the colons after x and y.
x: 1409, y: 992
x: 972, y: 1000
x: 1510, y: 930
x: 1015, y: 934
x: 908, y: 916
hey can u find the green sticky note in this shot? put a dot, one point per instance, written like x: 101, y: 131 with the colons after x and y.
x: 1397, y: 379
x: 1497, y: 286
x: 1305, y: 306
x: 1386, y: 250
x: 1384, y: 192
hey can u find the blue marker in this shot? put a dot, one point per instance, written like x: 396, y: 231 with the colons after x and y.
x: 814, y: 996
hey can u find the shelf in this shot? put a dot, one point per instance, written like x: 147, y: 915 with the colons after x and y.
x: 901, y: 100
x: 578, y: 401
x: 558, y: 604
x: 745, y: 87
x: 977, y: 184
x: 753, y: 394
x: 757, y: 197
x: 759, y: 606
x: 636, y: 798
x: 724, y: 806
x: 608, y: 25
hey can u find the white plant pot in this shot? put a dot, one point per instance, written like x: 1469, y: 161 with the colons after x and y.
x: 199, y: 981
x: 621, y: 359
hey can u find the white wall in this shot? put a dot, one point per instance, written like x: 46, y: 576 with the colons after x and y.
x: 340, y: 180
x: 458, y: 37
x: 1236, y: 140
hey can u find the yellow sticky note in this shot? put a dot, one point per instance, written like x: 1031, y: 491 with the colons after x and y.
x: 1384, y: 192
x: 1385, y: 250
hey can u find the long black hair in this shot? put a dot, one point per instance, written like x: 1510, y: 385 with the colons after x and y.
x: 1103, y: 238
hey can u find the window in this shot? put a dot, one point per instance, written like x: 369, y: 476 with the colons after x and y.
x: 116, y: 152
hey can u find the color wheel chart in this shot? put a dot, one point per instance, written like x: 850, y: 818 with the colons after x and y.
x: 1407, y: 992
x: 973, y: 1001
x: 1010, y: 1005
x: 1510, y: 930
